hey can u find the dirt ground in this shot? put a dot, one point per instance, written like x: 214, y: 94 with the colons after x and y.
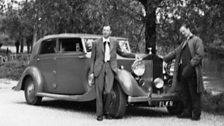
x: 15, y: 112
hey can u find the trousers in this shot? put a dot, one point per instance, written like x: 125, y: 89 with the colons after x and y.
x: 191, y: 99
x: 104, y: 84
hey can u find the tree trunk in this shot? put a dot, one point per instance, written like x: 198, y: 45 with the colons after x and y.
x: 21, y: 45
x: 150, y: 24
x: 17, y: 46
x: 150, y: 30
x: 34, y: 36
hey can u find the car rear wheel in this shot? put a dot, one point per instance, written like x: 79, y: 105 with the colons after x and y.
x: 176, y: 109
x: 118, y: 103
x: 30, y: 92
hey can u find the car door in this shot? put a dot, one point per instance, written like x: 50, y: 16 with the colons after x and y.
x: 71, y: 65
x: 46, y: 62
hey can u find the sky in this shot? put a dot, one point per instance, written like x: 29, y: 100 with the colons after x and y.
x: 14, y: 6
x: 15, y: 0
x: 7, y: 1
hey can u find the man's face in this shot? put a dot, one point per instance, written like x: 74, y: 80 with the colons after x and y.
x: 185, y: 31
x: 106, y: 31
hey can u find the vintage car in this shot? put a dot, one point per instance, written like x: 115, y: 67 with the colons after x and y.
x: 60, y: 65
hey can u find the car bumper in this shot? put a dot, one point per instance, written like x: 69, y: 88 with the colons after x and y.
x: 155, y: 99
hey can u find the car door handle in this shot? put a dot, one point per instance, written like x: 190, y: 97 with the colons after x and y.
x: 81, y: 57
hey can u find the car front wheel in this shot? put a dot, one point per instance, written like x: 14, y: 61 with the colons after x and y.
x: 30, y: 92
x: 118, y: 103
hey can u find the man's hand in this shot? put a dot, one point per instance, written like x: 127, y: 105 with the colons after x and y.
x: 91, y: 79
x: 138, y: 57
x: 91, y: 75
x: 188, y: 71
x: 160, y: 56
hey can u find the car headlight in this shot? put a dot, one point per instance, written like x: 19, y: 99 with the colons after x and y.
x: 158, y: 83
x: 138, y: 67
x: 169, y: 68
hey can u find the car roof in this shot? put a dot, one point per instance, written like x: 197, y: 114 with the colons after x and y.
x: 79, y: 35
x: 68, y: 35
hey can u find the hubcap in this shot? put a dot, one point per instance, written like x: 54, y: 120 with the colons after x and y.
x: 30, y: 91
x: 114, y: 95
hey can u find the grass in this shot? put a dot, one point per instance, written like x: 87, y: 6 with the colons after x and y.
x: 12, y: 69
x: 213, y: 103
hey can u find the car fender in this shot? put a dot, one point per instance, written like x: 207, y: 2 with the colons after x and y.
x: 36, y: 75
x: 128, y: 84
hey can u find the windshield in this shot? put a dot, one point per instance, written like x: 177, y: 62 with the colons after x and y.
x: 123, y: 44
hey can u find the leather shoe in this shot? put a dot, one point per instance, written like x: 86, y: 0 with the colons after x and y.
x: 195, y: 118
x: 108, y: 117
x: 184, y: 115
x: 99, y: 118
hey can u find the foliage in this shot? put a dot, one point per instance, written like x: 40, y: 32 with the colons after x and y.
x: 203, y: 15
x: 12, y: 69
x: 135, y: 19
x: 124, y: 16
x: 213, y: 103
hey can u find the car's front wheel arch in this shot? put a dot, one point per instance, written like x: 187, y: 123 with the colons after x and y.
x: 24, y: 81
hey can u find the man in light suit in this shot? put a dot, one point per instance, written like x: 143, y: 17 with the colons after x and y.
x: 188, y: 72
x: 104, y: 69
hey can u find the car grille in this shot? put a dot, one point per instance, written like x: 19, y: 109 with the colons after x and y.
x: 148, y: 75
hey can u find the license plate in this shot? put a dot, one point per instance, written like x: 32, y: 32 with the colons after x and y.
x: 165, y: 103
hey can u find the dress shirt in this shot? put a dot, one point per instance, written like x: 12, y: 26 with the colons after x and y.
x: 107, y: 49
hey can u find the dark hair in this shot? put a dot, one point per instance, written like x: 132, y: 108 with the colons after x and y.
x: 186, y: 25
x: 107, y: 25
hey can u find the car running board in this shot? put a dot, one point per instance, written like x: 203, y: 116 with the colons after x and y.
x: 90, y: 95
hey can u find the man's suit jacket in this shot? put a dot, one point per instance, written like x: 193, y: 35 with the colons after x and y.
x: 97, y: 56
x: 196, y: 47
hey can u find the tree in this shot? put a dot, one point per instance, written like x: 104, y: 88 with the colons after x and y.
x: 156, y: 22
x: 124, y: 16
x: 150, y: 23
x: 14, y: 25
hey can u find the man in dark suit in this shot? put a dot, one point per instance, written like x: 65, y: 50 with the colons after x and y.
x: 104, y: 68
x: 187, y: 72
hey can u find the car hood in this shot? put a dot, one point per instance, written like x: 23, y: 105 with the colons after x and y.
x: 141, y: 55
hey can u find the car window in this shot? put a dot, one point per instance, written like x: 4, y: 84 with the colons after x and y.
x: 48, y: 46
x: 123, y: 44
x: 88, y: 43
x: 70, y: 45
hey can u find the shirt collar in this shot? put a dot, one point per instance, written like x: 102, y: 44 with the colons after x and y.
x: 106, y: 39
x: 190, y: 36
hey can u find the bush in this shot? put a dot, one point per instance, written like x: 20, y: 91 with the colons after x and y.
x: 213, y: 103
x: 12, y: 69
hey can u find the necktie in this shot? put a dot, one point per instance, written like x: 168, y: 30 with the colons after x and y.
x: 186, y: 41
x: 107, y: 52
x: 184, y: 44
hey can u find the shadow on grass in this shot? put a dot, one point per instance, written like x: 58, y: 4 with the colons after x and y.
x: 90, y: 108
x: 85, y: 107
x: 146, y: 112
x: 213, y: 103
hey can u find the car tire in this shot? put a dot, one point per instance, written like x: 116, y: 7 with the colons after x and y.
x: 176, y: 109
x: 30, y: 92
x: 118, y: 102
